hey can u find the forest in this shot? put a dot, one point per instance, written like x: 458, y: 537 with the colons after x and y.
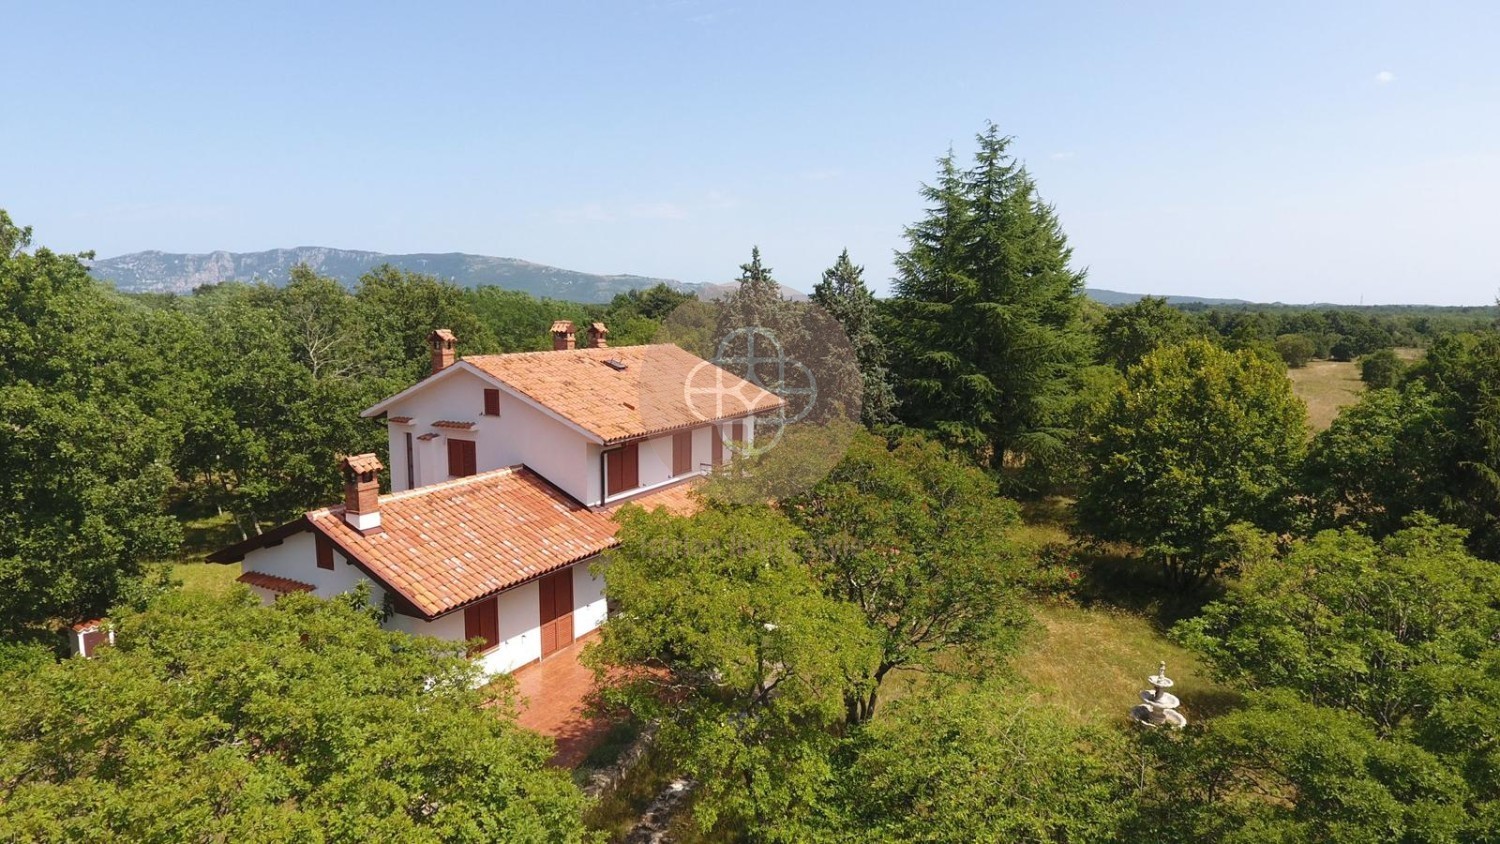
x: 846, y: 663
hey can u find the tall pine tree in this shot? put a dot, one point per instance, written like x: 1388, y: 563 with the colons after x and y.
x: 843, y: 294
x: 986, y: 316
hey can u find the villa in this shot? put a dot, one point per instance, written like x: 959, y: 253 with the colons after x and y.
x: 506, y: 473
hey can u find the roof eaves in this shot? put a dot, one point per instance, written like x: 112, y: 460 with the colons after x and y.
x: 384, y: 404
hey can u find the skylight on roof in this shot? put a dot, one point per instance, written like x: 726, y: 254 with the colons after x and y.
x: 616, y: 364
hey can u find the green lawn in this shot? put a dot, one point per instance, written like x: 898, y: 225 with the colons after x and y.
x: 201, y: 536
x: 211, y: 578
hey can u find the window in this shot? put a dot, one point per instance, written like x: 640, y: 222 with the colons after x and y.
x: 482, y: 621
x: 682, y: 453
x: 461, y: 458
x: 325, y: 553
x: 622, y: 469
x: 491, y: 402
x: 411, y: 474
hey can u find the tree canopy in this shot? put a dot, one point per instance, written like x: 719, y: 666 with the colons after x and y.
x: 920, y: 544
x: 986, y: 318
x: 220, y: 719
x: 1196, y: 440
x: 843, y: 294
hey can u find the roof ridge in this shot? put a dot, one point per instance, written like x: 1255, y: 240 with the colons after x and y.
x: 584, y: 349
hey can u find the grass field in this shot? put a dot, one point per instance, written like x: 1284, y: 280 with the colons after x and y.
x: 1327, y: 386
x: 1092, y: 662
x: 202, y: 536
x: 211, y: 578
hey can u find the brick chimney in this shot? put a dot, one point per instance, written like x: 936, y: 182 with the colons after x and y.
x: 564, y: 335
x: 597, y: 333
x: 442, y: 343
x: 362, y: 492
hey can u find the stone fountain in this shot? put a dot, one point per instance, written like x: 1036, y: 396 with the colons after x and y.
x: 1158, y: 707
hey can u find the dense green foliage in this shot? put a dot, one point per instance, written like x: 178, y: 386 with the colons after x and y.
x: 1296, y: 349
x: 1127, y: 334
x: 1381, y: 369
x: 740, y: 654
x: 985, y: 324
x: 919, y: 543
x: 1383, y: 665
x: 1196, y: 440
x: 90, y: 418
x: 1432, y: 445
x: 843, y: 294
x: 983, y: 765
x: 216, y: 719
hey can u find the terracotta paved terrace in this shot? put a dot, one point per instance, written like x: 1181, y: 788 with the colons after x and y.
x: 555, y: 700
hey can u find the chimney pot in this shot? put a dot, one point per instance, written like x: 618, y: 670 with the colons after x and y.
x: 362, y: 492
x: 563, y: 335
x: 597, y: 333
x: 442, y: 343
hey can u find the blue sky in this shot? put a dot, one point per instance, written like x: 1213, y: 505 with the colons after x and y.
x: 1322, y: 151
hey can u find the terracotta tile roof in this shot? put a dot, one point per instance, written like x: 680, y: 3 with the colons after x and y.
x: 562, y: 326
x: 428, y: 436
x: 442, y: 334
x: 444, y: 545
x: 86, y: 626
x: 399, y: 420
x: 457, y: 426
x: 281, y: 585
x: 679, y: 499
x: 649, y: 395
x: 361, y: 463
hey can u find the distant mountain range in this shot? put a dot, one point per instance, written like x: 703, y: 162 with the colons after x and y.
x: 1114, y: 297
x: 177, y: 272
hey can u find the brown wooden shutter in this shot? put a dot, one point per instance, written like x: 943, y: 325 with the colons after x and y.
x: 555, y: 592
x: 614, y: 471
x: 716, y: 437
x: 462, y: 458
x: 325, y: 552
x: 622, y: 469
x: 491, y: 402
x: 682, y: 453
x: 632, y: 465
x: 482, y: 621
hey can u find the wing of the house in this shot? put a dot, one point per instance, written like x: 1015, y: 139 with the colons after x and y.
x: 602, y: 423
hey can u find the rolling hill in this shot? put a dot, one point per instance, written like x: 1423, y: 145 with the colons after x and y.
x: 169, y: 272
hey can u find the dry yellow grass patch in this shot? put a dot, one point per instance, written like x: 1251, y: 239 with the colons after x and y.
x: 1327, y: 387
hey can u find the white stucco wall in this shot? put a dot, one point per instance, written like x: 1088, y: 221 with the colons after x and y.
x: 520, y: 633
x: 588, y: 599
x: 656, y: 460
x: 520, y: 434
x: 297, y: 559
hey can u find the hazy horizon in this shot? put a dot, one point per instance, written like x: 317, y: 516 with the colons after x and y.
x: 1331, y: 154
